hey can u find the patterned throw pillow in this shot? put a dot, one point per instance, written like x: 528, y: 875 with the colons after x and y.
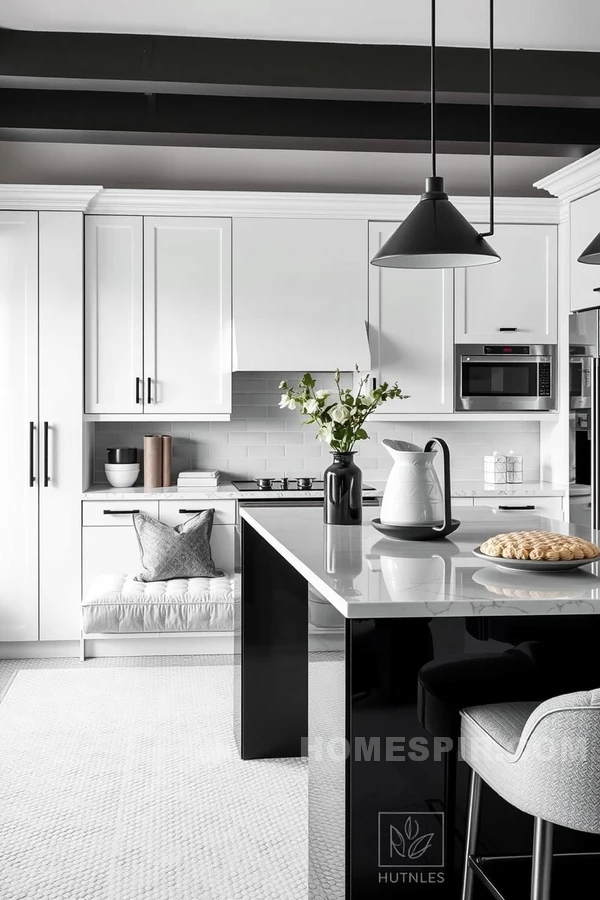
x: 182, y: 552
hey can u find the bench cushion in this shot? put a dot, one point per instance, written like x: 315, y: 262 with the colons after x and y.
x: 118, y: 604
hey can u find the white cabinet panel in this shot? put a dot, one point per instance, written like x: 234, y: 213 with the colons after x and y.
x: 300, y: 294
x: 410, y: 331
x: 551, y: 507
x: 19, y: 415
x: 61, y: 402
x: 518, y: 293
x: 585, y: 225
x: 187, y: 315
x: 174, y: 512
x: 113, y: 314
x: 116, y: 513
x: 109, y: 551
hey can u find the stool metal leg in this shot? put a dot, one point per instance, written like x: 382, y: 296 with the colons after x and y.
x: 541, y: 866
x: 471, y: 833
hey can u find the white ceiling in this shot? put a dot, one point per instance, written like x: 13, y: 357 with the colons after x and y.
x: 214, y: 168
x: 536, y: 24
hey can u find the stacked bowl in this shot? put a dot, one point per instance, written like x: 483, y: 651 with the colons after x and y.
x: 122, y: 468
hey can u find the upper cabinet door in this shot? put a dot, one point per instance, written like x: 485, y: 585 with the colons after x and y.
x: 410, y: 331
x: 585, y: 225
x: 19, y: 417
x: 300, y: 294
x: 113, y: 314
x: 515, y: 300
x: 187, y: 315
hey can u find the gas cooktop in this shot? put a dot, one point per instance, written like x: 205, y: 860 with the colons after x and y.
x: 285, y: 484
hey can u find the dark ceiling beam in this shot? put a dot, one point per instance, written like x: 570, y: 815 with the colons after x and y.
x: 163, y: 64
x: 305, y: 124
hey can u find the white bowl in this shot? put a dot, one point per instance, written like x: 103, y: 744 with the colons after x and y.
x: 121, y: 467
x: 122, y: 479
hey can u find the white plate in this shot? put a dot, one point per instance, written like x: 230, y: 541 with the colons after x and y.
x: 536, y: 565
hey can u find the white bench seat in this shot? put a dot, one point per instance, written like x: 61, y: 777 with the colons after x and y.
x: 117, y: 604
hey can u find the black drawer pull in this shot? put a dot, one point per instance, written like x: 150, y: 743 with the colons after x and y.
x: 46, y: 474
x: 183, y: 512
x: 138, y: 384
x: 528, y: 506
x: 31, y: 453
x: 508, y: 329
x: 119, y: 512
x: 149, y: 390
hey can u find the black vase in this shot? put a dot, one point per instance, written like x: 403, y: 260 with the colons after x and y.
x: 343, y: 491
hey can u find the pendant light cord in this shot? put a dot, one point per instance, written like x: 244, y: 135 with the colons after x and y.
x: 432, y: 88
x: 491, y: 121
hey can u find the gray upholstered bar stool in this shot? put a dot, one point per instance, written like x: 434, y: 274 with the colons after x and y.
x: 544, y: 759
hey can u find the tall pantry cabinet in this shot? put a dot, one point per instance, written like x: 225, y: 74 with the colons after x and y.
x: 41, y: 358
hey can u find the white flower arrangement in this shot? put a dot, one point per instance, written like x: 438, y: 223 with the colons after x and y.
x: 340, y: 420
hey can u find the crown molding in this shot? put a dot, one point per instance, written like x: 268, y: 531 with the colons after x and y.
x: 47, y: 196
x: 575, y: 180
x: 258, y: 204
x: 251, y: 204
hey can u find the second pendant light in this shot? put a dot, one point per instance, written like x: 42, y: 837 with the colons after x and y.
x: 435, y: 235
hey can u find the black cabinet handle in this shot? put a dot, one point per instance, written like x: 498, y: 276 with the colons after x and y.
x: 374, y: 383
x: 46, y: 475
x: 528, y: 506
x: 149, y: 390
x: 119, y: 512
x: 596, y: 289
x: 183, y: 512
x: 31, y: 453
x: 138, y: 384
x: 508, y: 329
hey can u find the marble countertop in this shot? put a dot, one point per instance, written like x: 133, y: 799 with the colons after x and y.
x: 364, y: 575
x: 227, y: 491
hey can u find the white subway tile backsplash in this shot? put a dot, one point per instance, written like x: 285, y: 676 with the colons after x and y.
x: 263, y: 439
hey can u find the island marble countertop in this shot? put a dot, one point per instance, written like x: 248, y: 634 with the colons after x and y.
x: 227, y: 491
x: 364, y: 575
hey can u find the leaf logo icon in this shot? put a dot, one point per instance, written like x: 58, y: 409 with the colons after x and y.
x: 420, y: 846
x: 397, y: 842
x: 411, y: 829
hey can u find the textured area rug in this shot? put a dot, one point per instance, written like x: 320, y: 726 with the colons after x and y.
x: 125, y: 783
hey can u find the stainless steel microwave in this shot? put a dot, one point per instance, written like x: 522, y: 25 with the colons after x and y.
x: 505, y: 378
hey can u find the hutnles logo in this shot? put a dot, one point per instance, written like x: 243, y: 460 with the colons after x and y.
x: 411, y: 840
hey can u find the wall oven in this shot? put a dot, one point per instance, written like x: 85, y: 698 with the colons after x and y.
x: 503, y: 378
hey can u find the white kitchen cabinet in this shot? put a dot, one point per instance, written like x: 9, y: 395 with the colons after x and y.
x: 158, y: 316
x: 410, y: 331
x: 585, y: 225
x: 113, y: 314
x: 41, y: 356
x: 187, y: 315
x: 19, y: 413
x: 515, y: 300
x: 300, y: 294
x: 61, y: 402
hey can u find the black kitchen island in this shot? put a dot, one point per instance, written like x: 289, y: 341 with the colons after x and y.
x: 359, y: 652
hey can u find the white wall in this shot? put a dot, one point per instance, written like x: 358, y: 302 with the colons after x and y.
x: 222, y: 168
x: 263, y: 439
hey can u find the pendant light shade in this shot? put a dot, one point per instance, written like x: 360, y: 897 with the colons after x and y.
x: 435, y: 236
x: 591, y: 254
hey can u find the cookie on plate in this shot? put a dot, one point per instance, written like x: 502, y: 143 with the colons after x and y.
x: 539, y: 546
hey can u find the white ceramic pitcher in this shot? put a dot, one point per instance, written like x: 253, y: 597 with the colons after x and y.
x: 413, y: 493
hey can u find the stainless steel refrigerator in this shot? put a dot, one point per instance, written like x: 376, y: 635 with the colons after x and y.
x: 584, y: 417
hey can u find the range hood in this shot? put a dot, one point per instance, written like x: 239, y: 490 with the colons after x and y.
x: 280, y: 345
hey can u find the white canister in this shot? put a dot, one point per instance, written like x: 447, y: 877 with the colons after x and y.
x: 494, y: 468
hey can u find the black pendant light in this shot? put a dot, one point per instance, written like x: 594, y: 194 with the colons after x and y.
x: 591, y: 254
x: 435, y: 235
